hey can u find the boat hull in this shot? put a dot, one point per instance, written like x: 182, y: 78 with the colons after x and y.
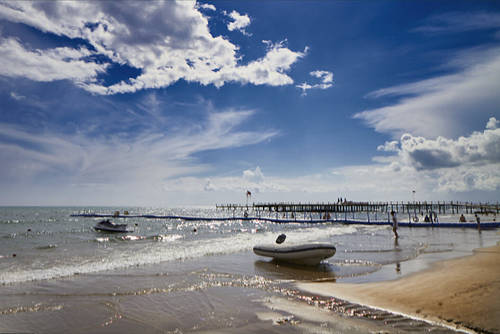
x: 110, y: 227
x: 309, y: 254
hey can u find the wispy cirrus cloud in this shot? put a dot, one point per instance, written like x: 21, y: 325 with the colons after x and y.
x: 448, y: 105
x: 112, y: 159
x: 451, y: 104
x: 459, y: 22
x: 166, y: 41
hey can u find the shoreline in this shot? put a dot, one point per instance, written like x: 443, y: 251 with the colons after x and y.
x: 463, y: 292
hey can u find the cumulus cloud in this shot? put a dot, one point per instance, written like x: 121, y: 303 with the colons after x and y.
x: 255, y: 176
x: 207, y: 6
x: 326, y: 78
x: 390, y: 146
x: 448, y: 105
x: 492, y: 123
x: 240, y: 22
x: 465, y: 164
x: 167, y: 41
x: 480, y: 148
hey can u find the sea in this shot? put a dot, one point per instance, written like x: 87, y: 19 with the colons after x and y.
x: 59, y: 275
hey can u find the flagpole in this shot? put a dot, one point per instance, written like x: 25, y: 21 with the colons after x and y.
x: 248, y: 195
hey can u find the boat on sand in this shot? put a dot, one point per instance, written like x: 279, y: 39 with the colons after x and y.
x: 304, y: 254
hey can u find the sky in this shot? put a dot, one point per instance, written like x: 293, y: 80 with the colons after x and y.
x: 171, y: 104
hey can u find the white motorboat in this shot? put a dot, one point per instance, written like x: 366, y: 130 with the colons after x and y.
x: 306, y: 254
x: 109, y: 226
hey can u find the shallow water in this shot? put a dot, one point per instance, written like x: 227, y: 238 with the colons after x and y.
x: 177, y: 276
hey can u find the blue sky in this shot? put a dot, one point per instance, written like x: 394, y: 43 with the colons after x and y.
x: 185, y: 103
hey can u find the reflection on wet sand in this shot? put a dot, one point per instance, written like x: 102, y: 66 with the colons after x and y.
x: 288, y: 271
x: 398, y: 264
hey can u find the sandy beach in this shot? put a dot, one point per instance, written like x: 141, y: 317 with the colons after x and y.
x: 463, y: 293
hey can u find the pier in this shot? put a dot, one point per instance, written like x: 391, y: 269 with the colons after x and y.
x: 356, y: 207
x: 409, y: 214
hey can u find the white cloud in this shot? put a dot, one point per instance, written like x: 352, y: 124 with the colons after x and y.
x: 427, y: 154
x: 47, y: 65
x: 492, y: 123
x: 480, y: 148
x: 449, y: 105
x: 390, y: 146
x: 167, y: 41
x: 207, y: 6
x: 465, y: 164
x: 326, y: 78
x: 255, y: 176
x: 240, y: 22
x: 16, y: 96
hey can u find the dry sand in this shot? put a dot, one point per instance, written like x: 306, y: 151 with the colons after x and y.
x: 463, y: 292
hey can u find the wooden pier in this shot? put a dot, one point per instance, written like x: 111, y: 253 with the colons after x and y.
x: 410, y: 214
x: 352, y: 207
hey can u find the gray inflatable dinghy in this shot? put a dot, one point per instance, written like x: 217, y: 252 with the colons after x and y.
x: 305, y: 254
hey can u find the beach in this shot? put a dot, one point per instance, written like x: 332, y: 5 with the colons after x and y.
x: 463, y: 292
x: 176, y: 276
x: 278, y: 166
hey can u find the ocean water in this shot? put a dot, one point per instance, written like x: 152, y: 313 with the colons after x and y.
x: 187, y: 276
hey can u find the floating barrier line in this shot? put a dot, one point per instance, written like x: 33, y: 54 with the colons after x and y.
x: 296, y: 221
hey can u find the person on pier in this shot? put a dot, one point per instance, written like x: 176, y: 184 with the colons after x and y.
x: 394, y: 224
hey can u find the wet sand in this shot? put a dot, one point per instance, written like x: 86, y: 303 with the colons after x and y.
x: 462, y: 293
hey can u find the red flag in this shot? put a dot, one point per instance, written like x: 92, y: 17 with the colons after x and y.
x: 249, y: 193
